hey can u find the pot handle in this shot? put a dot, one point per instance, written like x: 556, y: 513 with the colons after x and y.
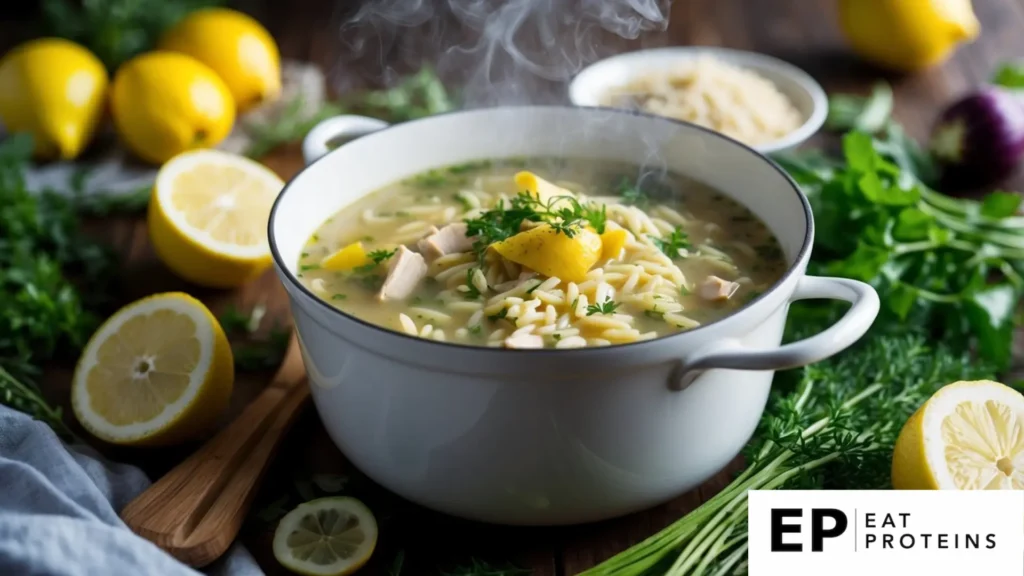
x: 317, y: 141
x: 732, y: 354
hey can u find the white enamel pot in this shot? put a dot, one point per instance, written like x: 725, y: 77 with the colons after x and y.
x: 545, y: 437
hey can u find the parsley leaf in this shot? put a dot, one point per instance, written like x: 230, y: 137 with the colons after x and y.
x: 606, y: 307
x: 673, y: 243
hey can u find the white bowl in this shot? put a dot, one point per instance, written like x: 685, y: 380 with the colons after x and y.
x: 547, y: 436
x: 590, y: 85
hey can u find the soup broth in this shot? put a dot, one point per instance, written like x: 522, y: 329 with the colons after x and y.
x: 541, y: 253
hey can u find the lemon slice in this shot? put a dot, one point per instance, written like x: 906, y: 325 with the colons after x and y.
x: 208, y: 217
x: 159, y: 371
x: 326, y: 537
x: 967, y: 436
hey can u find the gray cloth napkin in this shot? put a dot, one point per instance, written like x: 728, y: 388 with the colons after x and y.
x: 59, y: 509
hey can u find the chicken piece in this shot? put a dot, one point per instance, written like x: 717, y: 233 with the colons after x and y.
x: 714, y: 288
x: 524, y: 341
x: 405, y: 271
x: 448, y: 240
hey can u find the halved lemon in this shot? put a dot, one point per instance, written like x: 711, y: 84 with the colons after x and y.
x: 326, y: 537
x: 159, y: 371
x: 967, y: 436
x: 208, y: 217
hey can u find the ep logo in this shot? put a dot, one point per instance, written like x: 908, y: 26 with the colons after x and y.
x: 823, y: 523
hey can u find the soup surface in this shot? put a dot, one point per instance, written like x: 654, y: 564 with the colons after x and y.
x: 541, y: 253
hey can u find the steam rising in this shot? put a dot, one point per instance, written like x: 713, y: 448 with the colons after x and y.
x: 497, y: 52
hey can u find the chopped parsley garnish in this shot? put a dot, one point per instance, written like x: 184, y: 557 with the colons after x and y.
x: 473, y: 293
x: 654, y: 314
x: 305, y: 254
x: 673, y: 243
x: 376, y: 258
x: 534, y: 287
x: 306, y: 267
x: 475, y: 329
x: 499, y: 315
x: 575, y: 301
x: 606, y: 307
x: 339, y: 297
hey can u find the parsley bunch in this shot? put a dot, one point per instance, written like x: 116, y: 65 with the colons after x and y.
x: 53, y: 282
x: 953, y: 265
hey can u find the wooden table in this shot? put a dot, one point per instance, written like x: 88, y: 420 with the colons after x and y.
x: 802, y: 32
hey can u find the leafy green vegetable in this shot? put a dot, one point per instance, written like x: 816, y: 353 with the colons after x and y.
x: 954, y: 265
x: 55, y: 282
x: 673, y: 243
x: 829, y: 425
x: 115, y: 30
x: 866, y: 114
x: 606, y: 307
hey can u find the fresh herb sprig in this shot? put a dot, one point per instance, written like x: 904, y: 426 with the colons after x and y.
x: 55, y: 282
x: 115, y: 30
x: 606, y: 307
x: 829, y: 425
x: 671, y: 245
x: 955, y: 265
x: 565, y: 214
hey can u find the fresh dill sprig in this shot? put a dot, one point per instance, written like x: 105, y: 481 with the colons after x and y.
x: 828, y: 425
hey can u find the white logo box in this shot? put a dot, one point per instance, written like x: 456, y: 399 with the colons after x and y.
x: 934, y: 532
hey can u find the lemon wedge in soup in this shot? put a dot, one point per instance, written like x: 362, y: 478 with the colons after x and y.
x: 612, y: 243
x: 553, y: 253
x: 347, y: 258
x: 541, y: 189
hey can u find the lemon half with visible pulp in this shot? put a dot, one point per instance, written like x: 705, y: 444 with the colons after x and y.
x: 326, y: 537
x: 159, y: 371
x: 208, y: 217
x: 967, y: 436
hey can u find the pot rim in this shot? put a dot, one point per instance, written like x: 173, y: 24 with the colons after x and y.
x: 801, y: 257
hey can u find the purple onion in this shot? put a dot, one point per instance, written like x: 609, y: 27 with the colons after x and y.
x: 979, y: 140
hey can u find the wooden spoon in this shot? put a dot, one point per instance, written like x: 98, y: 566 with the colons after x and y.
x: 195, y: 511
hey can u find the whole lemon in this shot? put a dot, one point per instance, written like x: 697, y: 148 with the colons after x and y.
x: 165, y: 103
x: 55, y: 90
x: 236, y: 47
x: 907, y: 35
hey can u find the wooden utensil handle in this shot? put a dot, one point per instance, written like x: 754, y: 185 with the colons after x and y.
x: 195, y: 511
